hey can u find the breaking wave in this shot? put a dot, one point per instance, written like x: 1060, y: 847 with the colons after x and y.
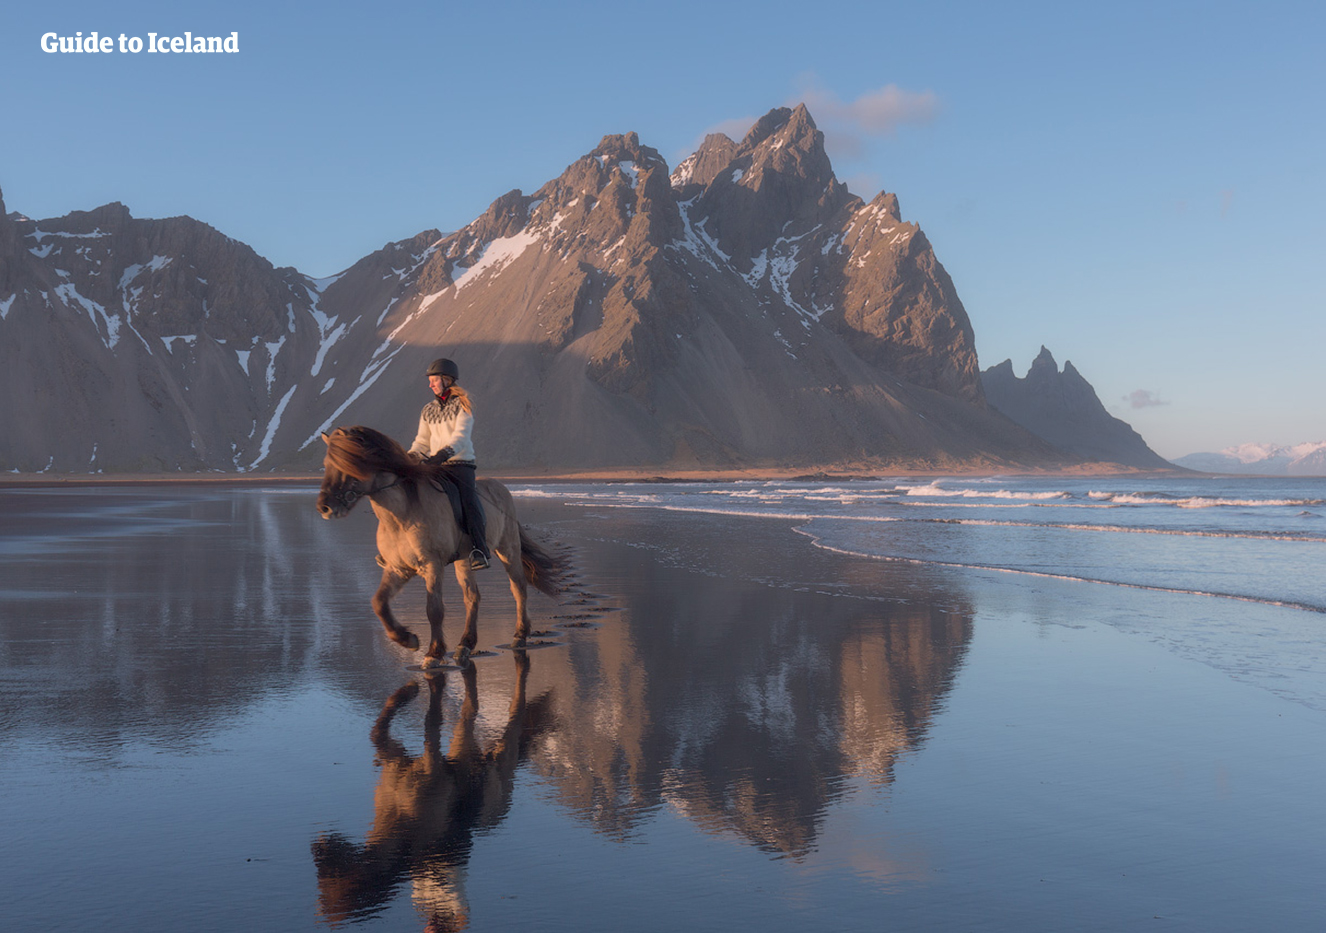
x: 1071, y: 578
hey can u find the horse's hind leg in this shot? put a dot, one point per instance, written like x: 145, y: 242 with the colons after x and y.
x: 509, y: 555
x: 470, y: 590
x: 391, y: 584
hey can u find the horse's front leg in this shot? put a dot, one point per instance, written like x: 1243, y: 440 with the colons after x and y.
x: 437, y: 643
x: 470, y: 590
x: 392, y: 582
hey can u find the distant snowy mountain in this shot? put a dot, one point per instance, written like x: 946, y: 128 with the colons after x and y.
x: 1265, y: 459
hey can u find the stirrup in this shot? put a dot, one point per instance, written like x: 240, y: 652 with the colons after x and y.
x: 478, y: 560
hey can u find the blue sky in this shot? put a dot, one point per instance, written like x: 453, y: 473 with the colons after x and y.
x: 1141, y: 187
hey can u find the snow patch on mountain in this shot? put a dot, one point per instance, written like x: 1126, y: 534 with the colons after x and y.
x: 272, y: 426
x: 498, y: 254
x: 273, y: 348
x: 696, y: 240
x: 189, y: 339
x: 110, y: 322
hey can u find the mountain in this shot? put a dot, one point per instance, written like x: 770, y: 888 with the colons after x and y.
x: 1063, y: 408
x: 744, y: 310
x: 1267, y: 459
x: 130, y: 344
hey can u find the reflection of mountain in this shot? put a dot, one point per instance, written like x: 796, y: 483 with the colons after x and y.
x: 739, y: 688
x: 745, y: 706
x: 893, y: 679
x: 428, y: 807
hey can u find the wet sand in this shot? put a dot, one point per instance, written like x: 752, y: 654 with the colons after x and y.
x: 836, y: 472
x: 726, y: 728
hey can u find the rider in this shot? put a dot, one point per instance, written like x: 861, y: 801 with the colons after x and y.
x: 444, y: 441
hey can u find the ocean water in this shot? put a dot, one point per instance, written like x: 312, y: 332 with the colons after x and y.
x: 1000, y: 711
x: 1241, y: 560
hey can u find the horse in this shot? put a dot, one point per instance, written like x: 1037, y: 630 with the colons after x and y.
x: 418, y: 535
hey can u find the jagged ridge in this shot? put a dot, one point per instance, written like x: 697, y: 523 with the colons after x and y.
x: 746, y: 310
x: 1064, y: 409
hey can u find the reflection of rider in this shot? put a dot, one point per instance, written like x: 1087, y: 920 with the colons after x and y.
x: 444, y: 441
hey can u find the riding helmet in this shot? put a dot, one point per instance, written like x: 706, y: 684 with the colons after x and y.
x: 443, y: 368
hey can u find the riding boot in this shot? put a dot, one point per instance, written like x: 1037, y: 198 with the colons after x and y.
x: 478, y: 535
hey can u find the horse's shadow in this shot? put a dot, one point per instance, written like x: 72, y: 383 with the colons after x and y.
x: 427, y: 807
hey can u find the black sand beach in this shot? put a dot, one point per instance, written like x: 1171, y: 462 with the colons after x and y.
x: 724, y: 727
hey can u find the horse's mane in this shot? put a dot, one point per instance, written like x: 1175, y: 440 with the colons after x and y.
x: 361, y: 451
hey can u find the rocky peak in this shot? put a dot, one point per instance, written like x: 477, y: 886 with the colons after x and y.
x: 505, y: 216
x: 8, y: 245
x: 702, y: 166
x: 797, y: 123
x: 887, y: 204
x: 779, y: 181
x: 789, y: 144
x: 1064, y: 409
x: 619, y: 190
x: 110, y: 218
x: 1044, y: 376
x: 1043, y: 366
x: 626, y: 147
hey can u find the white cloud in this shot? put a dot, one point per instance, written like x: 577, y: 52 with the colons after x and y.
x: 1144, y: 398
x: 875, y: 113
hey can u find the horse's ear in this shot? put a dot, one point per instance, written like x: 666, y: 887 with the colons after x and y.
x: 325, y: 439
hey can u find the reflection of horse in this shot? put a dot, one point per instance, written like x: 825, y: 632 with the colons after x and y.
x: 427, y: 807
x: 418, y: 534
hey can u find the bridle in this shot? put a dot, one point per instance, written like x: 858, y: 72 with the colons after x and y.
x: 347, y: 495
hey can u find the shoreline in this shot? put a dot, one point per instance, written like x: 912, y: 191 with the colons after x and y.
x: 809, y: 474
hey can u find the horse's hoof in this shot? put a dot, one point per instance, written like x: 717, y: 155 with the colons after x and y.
x: 407, y: 640
x: 431, y: 663
x: 518, y: 641
x: 462, y: 656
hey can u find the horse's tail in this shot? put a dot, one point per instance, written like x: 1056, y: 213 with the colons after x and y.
x: 546, y: 572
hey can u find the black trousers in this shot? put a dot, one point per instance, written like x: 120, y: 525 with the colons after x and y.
x: 462, y: 474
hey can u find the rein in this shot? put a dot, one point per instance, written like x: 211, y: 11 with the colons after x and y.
x: 347, y: 497
x: 396, y: 482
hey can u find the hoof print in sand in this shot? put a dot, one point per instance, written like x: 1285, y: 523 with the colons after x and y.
x: 531, y: 645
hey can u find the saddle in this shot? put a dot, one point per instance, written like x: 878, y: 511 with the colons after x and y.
x: 447, y: 486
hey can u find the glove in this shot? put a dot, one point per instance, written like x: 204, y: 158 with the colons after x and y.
x: 442, y: 456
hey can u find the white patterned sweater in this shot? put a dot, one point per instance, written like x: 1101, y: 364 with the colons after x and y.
x: 444, y: 425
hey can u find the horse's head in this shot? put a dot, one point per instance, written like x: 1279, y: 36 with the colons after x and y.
x: 340, y: 491
x: 355, y: 457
